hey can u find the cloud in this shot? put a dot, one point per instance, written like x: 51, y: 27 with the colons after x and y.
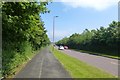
x: 95, y: 4
x: 58, y: 35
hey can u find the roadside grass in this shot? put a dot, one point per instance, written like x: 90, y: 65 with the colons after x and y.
x: 98, y: 54
x: 14, y: 61
x: 79, y: 69
x: 23, y: 64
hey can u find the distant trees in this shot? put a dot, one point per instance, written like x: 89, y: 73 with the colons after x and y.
x: 103, y: 40
x: 23, y: 32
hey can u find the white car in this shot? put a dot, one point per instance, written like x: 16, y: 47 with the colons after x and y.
x: 61, y: 48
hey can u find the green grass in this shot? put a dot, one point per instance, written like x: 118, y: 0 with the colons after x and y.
x: 14, y: 61
x: 99, y: 54
x: 79, y: 69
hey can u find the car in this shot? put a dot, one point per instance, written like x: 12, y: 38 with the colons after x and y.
x: 65, y: 47
x: 61, y: 48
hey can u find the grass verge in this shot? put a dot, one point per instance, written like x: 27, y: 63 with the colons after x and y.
x: 79, y: 69
x: 13, y: 60
x: 19, y: 68
x: 99, y: 54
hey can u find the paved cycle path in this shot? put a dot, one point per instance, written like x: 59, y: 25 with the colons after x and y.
x: 43, y: 65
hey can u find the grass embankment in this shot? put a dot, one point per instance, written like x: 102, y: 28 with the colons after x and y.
x: 14, y: 60
x: 79, y: 69
x: 23, y: 64
x: 0, y: 64
x: 99, y: 54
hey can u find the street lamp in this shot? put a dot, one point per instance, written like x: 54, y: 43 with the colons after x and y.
x: 54, y: 29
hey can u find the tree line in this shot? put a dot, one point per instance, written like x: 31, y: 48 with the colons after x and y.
x: 102, y: 40
x: 23, y: 33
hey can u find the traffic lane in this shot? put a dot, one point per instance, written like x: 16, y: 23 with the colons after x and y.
x: 107, y: 64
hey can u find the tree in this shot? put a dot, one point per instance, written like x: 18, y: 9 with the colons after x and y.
x: 103, y: 40
x: 23, y: 32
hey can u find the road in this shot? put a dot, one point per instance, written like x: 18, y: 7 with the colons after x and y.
x: 107, y: 64
x: 43, y: 65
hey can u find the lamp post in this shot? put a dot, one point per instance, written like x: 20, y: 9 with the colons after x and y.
x: 54, y: 29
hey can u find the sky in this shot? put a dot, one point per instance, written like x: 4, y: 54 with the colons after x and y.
x: 76, y: 16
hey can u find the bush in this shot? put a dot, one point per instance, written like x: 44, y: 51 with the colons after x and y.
x: 14, y: 58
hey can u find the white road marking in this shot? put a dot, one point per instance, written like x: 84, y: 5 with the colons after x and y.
x: 41, y: 67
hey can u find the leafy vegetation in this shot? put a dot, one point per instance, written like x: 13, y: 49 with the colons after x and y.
x: 23, y: 32
x: 79, y: 69
x: 103, y: 40
x: 98, y: 54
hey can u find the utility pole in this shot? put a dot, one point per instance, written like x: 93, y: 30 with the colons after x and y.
x: 54, y: 29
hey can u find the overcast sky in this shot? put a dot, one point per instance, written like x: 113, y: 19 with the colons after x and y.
x: 76, y: 16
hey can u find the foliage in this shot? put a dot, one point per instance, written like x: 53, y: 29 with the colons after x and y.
x: 22, y: 33
x: 79, y: 69
x: 103, y: 40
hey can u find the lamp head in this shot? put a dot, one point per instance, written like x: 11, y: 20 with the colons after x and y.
x: 56, y: 16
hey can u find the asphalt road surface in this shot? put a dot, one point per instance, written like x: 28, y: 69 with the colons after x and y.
x: 107, y: 64
x: 43, y: 65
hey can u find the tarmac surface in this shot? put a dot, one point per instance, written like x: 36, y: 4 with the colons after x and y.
x: 107, y: 64
x: 43, y: 65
